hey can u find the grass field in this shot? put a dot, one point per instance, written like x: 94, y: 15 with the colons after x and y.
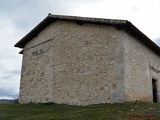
x: 51, y: 111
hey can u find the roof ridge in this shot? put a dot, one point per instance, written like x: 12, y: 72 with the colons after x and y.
x: 85, y: 18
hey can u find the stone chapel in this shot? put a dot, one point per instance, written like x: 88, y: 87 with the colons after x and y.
x: 83, y: 61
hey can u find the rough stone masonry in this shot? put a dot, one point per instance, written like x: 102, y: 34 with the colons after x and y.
x: 83, y: 61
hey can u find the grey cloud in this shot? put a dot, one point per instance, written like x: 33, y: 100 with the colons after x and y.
x: 10, y: 63
x: 16, y: 18
x: 135, y: 8
x: 157, y: 41
x: 10, y: 60
x: 15, y: 72
x: 24, y: 13
x: 9, y: 86
x: 10, y: 74
x: 6, y: 77
x: 69, y: 6
x: 9, y: 6
x: 7, y: 93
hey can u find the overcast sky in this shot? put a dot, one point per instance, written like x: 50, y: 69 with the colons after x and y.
x: 18, y: 17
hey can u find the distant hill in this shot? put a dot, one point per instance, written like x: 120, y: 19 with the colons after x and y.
x: 6, y: 101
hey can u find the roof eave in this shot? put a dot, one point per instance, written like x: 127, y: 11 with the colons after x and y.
x: 142, y: 37
x: 34, y: 32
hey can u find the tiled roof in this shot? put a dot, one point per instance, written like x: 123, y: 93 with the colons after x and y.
x: 119, y: 24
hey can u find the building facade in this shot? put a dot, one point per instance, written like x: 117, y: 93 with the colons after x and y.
x: 83, y: 61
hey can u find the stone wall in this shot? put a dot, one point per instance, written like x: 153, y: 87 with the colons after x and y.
x: 141, y: 65
x: 36, y: 77
x: 72, y: 64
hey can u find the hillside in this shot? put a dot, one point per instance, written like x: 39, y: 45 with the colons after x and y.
x: 50, y: 111
x: 2, y: 101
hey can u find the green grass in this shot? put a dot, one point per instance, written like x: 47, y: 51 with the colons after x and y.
x: 51, y: 111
